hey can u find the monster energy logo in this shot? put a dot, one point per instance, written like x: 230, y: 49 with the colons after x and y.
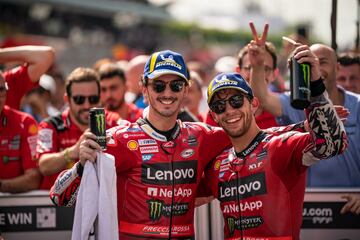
x: 306, y: 73
x: 231, y: 225
x: 158, y: 208
x: 155, y: 209
x: 243, y: 223
x: 100, y: 123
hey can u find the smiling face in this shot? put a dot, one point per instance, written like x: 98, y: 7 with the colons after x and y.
x: 328, y: 65
x: 166, y: 103
x: 235, y: 121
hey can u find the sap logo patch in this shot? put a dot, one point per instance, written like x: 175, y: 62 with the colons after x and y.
x: 144, y: 142
x: 187, y: 153
x: 146, y: 157
x: 132, y: 145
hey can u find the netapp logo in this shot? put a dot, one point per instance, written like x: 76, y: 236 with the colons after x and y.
x: 162, y: 174
x: 246, y: 187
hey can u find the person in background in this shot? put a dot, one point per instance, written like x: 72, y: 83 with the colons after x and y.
x: 285, y: 52
x: 348, y: 72
x: 60, y: 136
x: 263, y: 118
x: 37, y: 101
x: 133, y: 74
x: 34, y: 60
x: 113, y: 87
x: 194, y: 96
x: 18, y: 135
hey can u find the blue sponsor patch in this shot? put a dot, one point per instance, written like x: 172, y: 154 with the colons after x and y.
x: 133, y: 129
x: 146, y: 157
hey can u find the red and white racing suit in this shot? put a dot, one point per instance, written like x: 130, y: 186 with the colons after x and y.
x: 157, y: 178
x: 261, y: 189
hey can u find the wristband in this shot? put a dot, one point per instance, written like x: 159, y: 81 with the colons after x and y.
x: 317, y: 87
x: 67, y: 156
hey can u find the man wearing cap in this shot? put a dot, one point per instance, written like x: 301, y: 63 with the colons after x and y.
x: 159, y: 160
x: 260, y: 181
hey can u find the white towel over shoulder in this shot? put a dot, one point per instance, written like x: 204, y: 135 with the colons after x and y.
x: 96, y: 203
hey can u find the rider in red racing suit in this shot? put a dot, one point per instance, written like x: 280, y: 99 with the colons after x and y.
x: 150, y: 168
x: 261, y: 188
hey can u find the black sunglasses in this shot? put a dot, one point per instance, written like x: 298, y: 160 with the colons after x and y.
x: 219, y: 106
x: 175, y: 85
x: 93, y: 99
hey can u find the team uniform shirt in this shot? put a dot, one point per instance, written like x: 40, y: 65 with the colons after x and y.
x: 157, y: 177
x: 261, y: 189
x: 19, y: 84
x: 18, y: 135
x: 342, y: 170
x: 134, y: 113
x: 59, y: 132
x: 266, y: 120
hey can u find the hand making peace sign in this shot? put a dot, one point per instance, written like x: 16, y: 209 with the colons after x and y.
x: 256, y: 47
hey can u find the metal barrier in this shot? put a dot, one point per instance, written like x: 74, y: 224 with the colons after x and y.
x: 32, y: 216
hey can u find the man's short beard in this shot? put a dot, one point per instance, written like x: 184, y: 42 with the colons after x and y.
x: 114, y: 108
